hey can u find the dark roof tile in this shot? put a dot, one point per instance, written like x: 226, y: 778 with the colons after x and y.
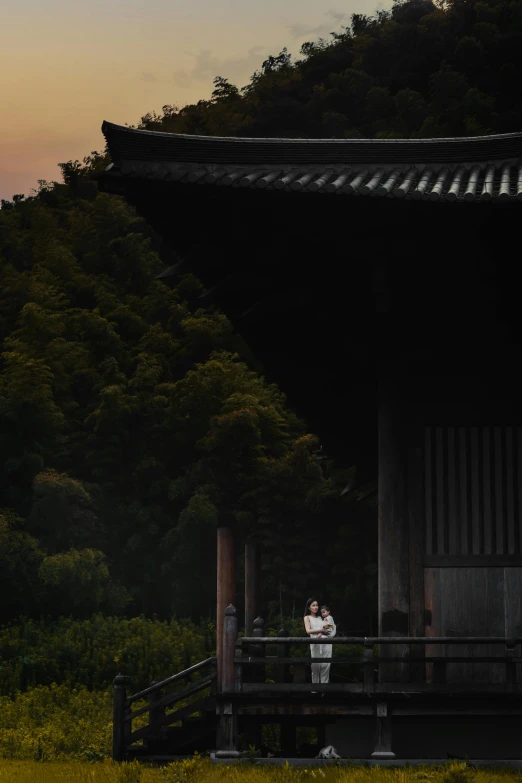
x: 451, y: 180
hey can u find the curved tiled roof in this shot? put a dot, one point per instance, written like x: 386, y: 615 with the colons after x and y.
x: 461, y: 169
x: 135, y: 144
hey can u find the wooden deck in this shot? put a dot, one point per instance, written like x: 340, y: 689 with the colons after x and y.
x: 262, y: 683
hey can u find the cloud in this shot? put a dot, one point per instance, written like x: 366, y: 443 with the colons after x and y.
x: 337, y: 15
x: 182, y: 79
x: 148, y: 77
x: 206, y: 66
x: 318, y: 31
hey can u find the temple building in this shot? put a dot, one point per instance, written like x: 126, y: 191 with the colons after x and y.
x: 376, y: 282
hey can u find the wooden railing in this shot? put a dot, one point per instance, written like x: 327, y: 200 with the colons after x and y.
x: 244, y: 673
x: 369, y: 662
x: 245, y: 665
x: 123, y: 715
x: 245, y: 661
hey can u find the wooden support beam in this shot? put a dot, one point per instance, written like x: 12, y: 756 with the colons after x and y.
x: 227, y: 734
x: 118, y: 717
x: 226, y: 587
x: 383, y: 740
x: 393, y: 519
x: 230, y: 629
x: 252, y: 585
x: 416, y: 548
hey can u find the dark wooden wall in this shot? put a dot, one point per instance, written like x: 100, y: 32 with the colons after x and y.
x: 326, y: 290
x: 473, y: 499
x: 473, y: 601
x: 473, y: 558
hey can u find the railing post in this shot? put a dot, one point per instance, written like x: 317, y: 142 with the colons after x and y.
x: 282, y: 652
x: 229, y: 650
x: 252, y: 727
x: 118, y: 717
x: 238, y: 667
x: 258, y: 650
x: 511, y: 667
x: 155, y: 713
x: 228, y: 710
x: 225, y: 584
x: 369, y: 667
x: 384, y: 732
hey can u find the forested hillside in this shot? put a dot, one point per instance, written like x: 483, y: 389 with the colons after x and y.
x: 132, y: 420
x: 420, y: 69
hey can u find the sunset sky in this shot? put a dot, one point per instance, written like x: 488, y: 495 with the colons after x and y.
x: 67, y: 65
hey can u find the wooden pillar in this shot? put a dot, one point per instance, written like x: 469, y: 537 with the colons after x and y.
x: 228, y: 678
x: 383, y: 739
x: 393, y: 524
x: 118, y: 717
x: 416, y: 512
x: 227, y: 735
x: 252, y: 585
x: 226, y: 588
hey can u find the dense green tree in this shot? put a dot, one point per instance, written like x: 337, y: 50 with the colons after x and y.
x: 133, y: 419
x: 418, y: 69
x: 63, y: 514
x: 78, y: 583
x: 20, y: 558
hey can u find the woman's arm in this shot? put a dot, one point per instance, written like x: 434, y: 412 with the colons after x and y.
x: 308, y: 629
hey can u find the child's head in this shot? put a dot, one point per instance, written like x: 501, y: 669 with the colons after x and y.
x: 325, y: 610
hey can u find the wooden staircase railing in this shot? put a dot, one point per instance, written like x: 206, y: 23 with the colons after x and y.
x: 244, y: 683
x: 123, y: 736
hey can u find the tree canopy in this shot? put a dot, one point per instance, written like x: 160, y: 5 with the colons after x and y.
x: 133, y: 420
x: 421, y: 69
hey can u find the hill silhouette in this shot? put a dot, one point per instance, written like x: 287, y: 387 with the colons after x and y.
x: 126, y: 408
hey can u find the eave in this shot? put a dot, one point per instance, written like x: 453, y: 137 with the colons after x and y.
x: 477, y: 169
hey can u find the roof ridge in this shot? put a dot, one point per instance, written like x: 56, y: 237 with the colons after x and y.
x: 111, y: 126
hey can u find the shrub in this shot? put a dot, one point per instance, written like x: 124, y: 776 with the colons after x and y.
x: 89, y: 653
x: 49, y: 723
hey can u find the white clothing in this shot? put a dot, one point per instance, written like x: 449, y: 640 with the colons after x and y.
x: 326, y: 649
x: 332, y: 631
x: 320, y: 671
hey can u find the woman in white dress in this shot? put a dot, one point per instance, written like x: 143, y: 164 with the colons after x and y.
x: 315, y: 626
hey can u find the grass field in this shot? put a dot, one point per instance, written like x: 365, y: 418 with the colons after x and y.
x: 202, y: 771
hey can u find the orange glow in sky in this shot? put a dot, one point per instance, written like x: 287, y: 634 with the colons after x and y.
x: 66, y: 65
